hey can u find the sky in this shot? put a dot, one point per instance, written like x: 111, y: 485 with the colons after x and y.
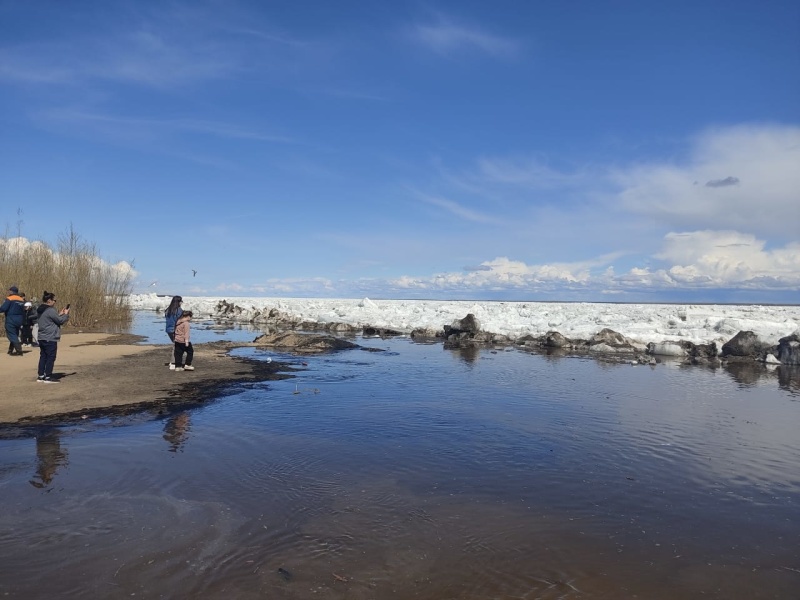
x: 593, y: 151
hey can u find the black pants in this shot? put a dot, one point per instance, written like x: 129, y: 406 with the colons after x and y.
x: 47, y: 357
x: 179, y: 350
x: 27, y: 334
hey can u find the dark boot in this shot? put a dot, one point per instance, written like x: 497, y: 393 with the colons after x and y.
x: 18, y: 348
x: 11, y: 347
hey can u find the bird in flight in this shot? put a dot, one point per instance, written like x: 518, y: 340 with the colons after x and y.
x: 153, y: 284
x: 194, y: 273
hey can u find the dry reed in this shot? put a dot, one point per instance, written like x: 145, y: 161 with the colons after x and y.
x: 96, y: 290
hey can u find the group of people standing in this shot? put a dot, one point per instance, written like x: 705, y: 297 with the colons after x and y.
x: 21, y: 315
x: 20, y: 319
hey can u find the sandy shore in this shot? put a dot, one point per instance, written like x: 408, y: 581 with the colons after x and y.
x: 109, y: 373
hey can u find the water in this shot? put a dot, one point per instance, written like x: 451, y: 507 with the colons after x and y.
x: 419, y: 472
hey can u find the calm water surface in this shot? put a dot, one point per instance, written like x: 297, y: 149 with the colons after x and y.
x: 418, y: 472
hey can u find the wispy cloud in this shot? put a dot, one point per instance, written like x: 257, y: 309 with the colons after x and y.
x: 141, y: 58
x: 351, y: 94
x: 313, y: 286
x: 457, y: 210
x: 528, y: 173
x: 133, y: 128
x: 24, y: 64
x: 164, y: 47
x: 447, y: 38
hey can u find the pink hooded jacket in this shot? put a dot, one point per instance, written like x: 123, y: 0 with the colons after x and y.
x: 182, y: 331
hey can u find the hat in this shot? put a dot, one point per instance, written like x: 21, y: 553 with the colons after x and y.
x: 28, y: 304
x: 14, y: 289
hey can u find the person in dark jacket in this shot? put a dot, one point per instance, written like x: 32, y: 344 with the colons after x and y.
x: 173, y: 313
x: 14, y: 310
x: 50, y: 323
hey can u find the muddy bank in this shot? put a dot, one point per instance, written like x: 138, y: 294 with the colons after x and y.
x: 106, y: 374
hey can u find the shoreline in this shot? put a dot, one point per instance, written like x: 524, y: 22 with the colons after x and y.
x: 103, y: 374
x: 640, y: 323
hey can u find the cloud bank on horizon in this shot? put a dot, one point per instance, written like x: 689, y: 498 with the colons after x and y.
x: 452, y: 150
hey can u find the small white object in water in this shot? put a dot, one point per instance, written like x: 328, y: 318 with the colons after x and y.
x: 269, y: 359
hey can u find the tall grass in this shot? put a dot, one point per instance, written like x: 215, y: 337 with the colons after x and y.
x: 96, y: 290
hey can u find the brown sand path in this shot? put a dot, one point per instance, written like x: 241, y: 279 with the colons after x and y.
x: 106, y: 373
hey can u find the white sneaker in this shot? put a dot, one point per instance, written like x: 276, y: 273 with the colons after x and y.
x: 177, y: 369
x: 188, y: 368
x: 171, y: 366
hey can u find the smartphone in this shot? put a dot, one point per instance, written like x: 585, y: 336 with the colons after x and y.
x: 67, y: 307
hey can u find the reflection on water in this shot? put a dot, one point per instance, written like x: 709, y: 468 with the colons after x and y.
x: 750, y: 373
x: 468, y: 353
x: 789, y: 378
x: 747, y: 373
x: 49, y: 457
x: 419, y: 472
x: 176, y: 430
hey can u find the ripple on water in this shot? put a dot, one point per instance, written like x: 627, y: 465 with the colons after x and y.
x: 424, y: 473
x: 105, y: 543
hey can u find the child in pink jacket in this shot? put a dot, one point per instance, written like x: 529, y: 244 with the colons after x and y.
x: 183, y: 342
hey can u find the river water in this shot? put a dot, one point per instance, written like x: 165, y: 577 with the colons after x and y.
x: 413, y: 471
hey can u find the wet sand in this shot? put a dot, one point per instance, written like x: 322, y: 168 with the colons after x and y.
x: 101, y: 373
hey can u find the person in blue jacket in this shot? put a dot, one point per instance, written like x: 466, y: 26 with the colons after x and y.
x: 173, y: 313
x: 14, y: 309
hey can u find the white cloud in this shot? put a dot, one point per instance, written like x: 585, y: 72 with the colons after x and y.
x: 734, y: 202
x: 12, y: 248
x: 701, y: 259
x: 742, y: 178
x: 504, y: 273
x: 730, y: 258
x: 754, y: 183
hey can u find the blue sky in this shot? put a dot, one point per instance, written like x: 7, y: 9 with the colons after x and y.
x: 621, y: 151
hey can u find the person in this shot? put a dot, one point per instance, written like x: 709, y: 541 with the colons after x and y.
x: 50, y: 323
x: 14, y: 308
x: 28, y: 319
x: 183, y: 343
x: 173, y: 313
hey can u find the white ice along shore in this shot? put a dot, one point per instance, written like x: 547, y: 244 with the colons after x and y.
x: 641, y: 323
